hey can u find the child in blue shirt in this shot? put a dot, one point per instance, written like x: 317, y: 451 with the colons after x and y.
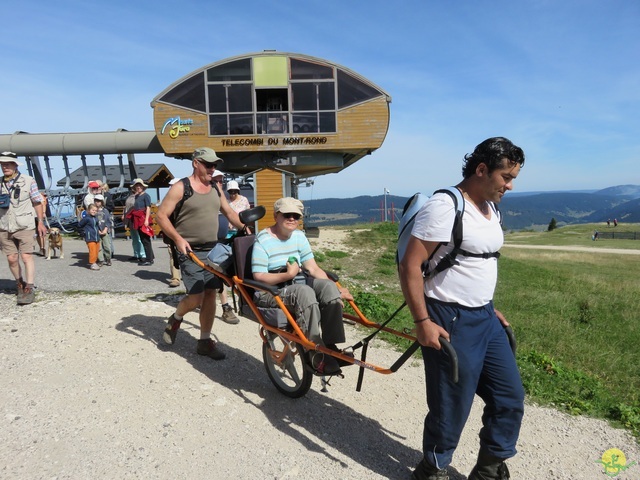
x: 89, y: 224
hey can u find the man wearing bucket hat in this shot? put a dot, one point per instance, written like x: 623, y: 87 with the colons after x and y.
x: 20, y: 204
x: 140, y: 215
x: 195, y: 229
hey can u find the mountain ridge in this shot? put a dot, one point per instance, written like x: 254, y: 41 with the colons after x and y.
x: 520, y: 211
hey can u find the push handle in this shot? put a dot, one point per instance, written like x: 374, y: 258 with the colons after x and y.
x: 453, y: 358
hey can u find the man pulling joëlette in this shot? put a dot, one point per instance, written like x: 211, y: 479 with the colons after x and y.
x: 457, y: 304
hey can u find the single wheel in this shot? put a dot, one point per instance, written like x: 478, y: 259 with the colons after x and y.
x: 286, y: 366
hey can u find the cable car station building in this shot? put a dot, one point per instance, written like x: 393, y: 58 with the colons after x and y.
x: 275, y: 118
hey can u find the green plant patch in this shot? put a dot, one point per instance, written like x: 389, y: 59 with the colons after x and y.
x: 336, y: 254
x: 82, y: 292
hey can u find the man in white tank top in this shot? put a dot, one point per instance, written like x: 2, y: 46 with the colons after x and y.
x: 457, y: 304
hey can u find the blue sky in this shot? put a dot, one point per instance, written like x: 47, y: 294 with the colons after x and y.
x: 561, y: 79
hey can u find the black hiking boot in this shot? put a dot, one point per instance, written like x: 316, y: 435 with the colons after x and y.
x: 425, y: 471
x: 489, y: 467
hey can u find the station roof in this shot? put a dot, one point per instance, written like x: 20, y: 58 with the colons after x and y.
x: 156, y: 175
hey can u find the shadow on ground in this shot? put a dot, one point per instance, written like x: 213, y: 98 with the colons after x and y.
x: 320, y: 415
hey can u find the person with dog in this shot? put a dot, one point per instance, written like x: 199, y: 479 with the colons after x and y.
x: 140, y: 216
x: 195, y: 229
x: 105, y: 226
x: 20, y: 206
x: 91, y: 234
x: 280, y: 254
x: 457, y: 304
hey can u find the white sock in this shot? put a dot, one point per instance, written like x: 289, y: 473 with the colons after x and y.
x: 205, y: 336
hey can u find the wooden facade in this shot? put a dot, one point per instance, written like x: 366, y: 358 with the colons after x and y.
x: 273, y: 112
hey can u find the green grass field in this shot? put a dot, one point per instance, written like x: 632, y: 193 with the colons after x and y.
x: 575, y: 314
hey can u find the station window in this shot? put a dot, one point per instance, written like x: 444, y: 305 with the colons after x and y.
x: 301, y: 70
x: 188, y: 94
x: 237, y: 71
x: 352, y: 91
x: 232, y: 98
x: 313, y: 96
x: 231, y: 124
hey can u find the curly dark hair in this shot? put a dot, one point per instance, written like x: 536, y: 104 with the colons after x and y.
x: 492, y: 152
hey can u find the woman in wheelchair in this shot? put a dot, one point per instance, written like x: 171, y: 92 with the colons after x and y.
x: 282, y: 256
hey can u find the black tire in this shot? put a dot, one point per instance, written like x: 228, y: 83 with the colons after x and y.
x: 286, y: 365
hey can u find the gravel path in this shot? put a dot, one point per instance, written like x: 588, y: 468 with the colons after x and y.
x: 88, y: 392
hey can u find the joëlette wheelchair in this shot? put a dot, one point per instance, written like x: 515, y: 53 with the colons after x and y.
x: 285, y: 348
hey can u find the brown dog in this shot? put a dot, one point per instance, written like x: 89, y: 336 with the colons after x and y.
x: 55, y: 243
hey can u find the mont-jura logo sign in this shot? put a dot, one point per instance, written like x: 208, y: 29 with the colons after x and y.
x: 176, y: 126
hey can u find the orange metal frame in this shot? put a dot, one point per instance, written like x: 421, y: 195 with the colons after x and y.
x: 296, y: 335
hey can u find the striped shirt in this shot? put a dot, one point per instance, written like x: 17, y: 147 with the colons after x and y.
x: 270, y: 253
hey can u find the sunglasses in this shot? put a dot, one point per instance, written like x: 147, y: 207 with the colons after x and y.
x: 207, y: 165
x: 289, y: 216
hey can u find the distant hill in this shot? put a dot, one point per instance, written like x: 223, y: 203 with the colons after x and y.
x: 519, y: 211
x: 631, y: 191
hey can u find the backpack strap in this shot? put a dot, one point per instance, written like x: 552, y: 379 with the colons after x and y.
x: 457, y: 234
x: 449, y: 260
x: 186, y: 194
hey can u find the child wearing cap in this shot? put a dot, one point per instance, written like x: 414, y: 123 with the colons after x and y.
x: 105, y: 225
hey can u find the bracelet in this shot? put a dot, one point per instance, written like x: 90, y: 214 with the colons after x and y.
x: 422, y: 320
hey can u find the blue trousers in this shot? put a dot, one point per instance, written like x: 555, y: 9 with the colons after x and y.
x: 136, y: 243
x: 487, y: 368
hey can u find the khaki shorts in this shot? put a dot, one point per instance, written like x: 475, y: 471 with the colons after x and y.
x: 21, y: 241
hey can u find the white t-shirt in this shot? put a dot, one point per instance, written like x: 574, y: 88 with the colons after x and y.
x: 473, y: 281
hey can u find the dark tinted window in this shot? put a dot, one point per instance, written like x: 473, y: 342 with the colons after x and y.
x: 313, y: 96
x: 351, y: 90
x: 301, y: 70
x: 240, y: 124
x: 327, y: 121
x: 240, y: 97
x: 217, y: 99
x: 305, y: 123
x: 303, y: 96
x: 327, y: 96
x: 232, y: 71
x: 188, y: 94
x: 237, y: 124
x: 217, y: 125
